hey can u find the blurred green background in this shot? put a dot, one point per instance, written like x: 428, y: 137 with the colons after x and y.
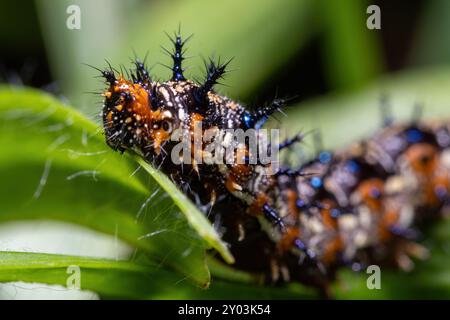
x: 285, y: 48
x: 318, y: 50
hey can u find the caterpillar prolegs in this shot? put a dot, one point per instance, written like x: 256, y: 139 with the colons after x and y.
x: 355, y: 207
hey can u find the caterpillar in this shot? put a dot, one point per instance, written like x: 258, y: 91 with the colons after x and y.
x: 351, y: 208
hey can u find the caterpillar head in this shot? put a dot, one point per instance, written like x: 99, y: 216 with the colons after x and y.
x: 136, y: 115
x: 126, y: 114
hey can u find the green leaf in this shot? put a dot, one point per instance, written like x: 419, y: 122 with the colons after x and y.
x: 196, y: 219
x: 55, y: 164
x: 227, y: 272
x: 108, y: 278
x: 131, y: 280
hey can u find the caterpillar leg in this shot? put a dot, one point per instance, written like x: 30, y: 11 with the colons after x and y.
x: 407, y: 250
x: 279, y: 271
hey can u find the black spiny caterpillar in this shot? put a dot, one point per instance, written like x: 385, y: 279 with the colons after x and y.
x: 352, y: 208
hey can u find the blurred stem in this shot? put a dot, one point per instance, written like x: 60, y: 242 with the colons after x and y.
x: 351, y: 52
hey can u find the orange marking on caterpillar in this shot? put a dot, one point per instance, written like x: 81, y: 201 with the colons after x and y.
x: 256, y: 208
x: 287, y: 240
x: 371, y: 192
